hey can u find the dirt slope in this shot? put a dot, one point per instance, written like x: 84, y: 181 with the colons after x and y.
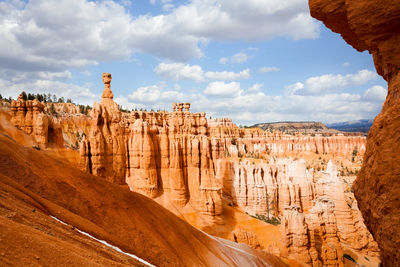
x: 29, y: 236
x: 134, y: 223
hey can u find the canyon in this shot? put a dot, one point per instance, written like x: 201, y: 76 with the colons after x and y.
x: 222, y: 179
x: 373, y: 26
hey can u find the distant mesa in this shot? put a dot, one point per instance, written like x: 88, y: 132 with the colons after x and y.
x: 362, y: 126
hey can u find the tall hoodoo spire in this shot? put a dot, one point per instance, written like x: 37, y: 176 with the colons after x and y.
x: 107, y: 93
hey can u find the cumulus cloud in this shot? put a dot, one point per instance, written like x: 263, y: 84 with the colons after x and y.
x: 268, y: 69
x: 181, y: 72
x: 375, y: 94
x: 78, y: 93
x: 249, y: 20
x: 239, y: 58
x: 228, y: 75
x: 43, y: 35
x: 222, y: 89
x: 330, y: 82
x: 155, y: 94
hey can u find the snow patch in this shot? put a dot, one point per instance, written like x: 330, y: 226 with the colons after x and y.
x: 108, y: 245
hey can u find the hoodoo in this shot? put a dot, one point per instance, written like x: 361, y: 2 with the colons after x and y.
x: 374, y: 26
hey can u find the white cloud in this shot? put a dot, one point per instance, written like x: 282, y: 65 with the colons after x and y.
x: 255, y: 88
x: 239, y: 58
x: 228, y: 75
x: 78, y: 93
x: 268, y: 69
x: 346, y: 64
x: 330, y: 82
x: 126, y: 3
x: 180, y: 71
x: 375, y: 94
x: 155, y: 94
x: 249, y: 20
x: 56, y: 35
x: 222, y: 89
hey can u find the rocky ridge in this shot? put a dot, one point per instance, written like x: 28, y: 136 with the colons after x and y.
x: 297, y: 127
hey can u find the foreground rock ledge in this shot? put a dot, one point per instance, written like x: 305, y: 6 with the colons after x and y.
x: 374, y: 25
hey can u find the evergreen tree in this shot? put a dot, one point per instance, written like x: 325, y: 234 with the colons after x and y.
x: 24, y: 96
x: 31, y: 96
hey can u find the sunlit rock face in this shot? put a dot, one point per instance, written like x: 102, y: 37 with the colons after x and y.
x: 29, y: 116
x: 319, y: 215
x: 374, y: 26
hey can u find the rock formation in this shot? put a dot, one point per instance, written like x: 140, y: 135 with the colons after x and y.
x: 29, y: 116
x: 374, y: 26
x: 103, y: 153
x: 295, y: 234
x: 318, y: 216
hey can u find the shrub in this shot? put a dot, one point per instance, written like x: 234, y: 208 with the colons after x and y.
x: 272, y: 220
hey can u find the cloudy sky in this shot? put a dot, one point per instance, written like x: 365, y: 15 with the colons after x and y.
x: 250, y: 60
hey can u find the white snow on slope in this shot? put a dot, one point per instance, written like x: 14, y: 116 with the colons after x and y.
x: 108, y: 245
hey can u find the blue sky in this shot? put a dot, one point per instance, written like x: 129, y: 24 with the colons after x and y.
x: 250, y: 60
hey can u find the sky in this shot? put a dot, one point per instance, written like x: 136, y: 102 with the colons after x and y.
x: 250, y: 60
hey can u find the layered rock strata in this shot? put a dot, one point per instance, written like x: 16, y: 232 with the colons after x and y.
x: 155, y: 153
x: 319, y: 215
x: 255, y: 142
x: 29, y: 116
x: 374, y: 26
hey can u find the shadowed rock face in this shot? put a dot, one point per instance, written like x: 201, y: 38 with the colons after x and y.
x: 374, y: 26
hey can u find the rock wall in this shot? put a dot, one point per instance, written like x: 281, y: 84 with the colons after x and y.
x: 29, y: 116
x: 255, y: 142
x: 374, y: 26
x: 318, y: 212
x: 61, y: 130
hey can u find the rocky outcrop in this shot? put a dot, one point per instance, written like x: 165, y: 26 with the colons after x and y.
x: 295, y: 235
x: 373, y: 26
x: 246, y: 237
x: 62, y: 108
x: 155, y: 153
x: 103, y: 152
x: 319, y: 215
x: 325, y: 246
x: 267, y: 188
x: 254, y: 142
x: 29, y: 116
